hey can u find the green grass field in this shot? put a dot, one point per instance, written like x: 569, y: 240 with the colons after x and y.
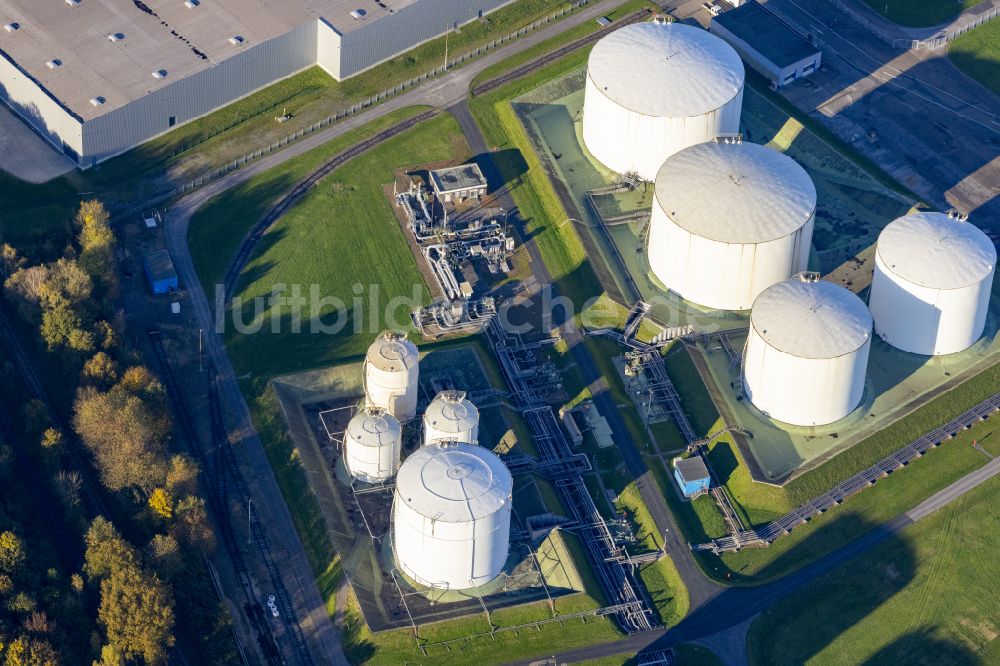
x: 925, y: 596
x: 920, y: 13
x: 977, y: 53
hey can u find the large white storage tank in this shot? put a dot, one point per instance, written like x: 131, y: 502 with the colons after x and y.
x: 655, y: 88
x: 931, y: 288
x: 372, y: 445
x: 451, y: 417
x: 391, y: 375
x: 451, y: 516
x: 807, y: 351
x: 729, y: 220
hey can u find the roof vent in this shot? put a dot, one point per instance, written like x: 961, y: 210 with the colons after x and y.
x: 116, y: 37
x: 236, y: 40
x: 358, y: 14
x: 72, y: 3
x: 11, y: 27
x: 191, y: 4
x: 97, y: 101
x: 160, y: 74
x: 52, y: 64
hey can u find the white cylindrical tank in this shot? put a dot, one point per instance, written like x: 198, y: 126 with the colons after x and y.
x: 372, y: 445
x: 728, y: 221
x: 451, y: 516
x: 451, y: 417
x: 807, y: 351
x: 391, y: 375
x: 931, y: 288
x: 655, y: 88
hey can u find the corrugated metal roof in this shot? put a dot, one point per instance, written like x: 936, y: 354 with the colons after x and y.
x: 692, y: 469
x: 936, y: 251
x: 455, y: 483
x: 671, y: 69
x: 811, y: 319
x: 735, y: 192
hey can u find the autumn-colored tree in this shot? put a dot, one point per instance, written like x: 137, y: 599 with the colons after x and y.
x: 12, y: 553
x: 182, y: 475
x: 106, y: 550
x: 100, y: 370
x: 165, y: 555
x: 126, y: 429
x: 30, y: 651
x: 162, y: 503
x: 63, y: 328
x: 137, y: 613
x: 97, y: 242
x: 192, y: 525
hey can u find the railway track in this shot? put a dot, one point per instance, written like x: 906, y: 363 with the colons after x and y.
x: 220, y: 469
x: 94, y: 504
x: 541, y: 61
x: 766, y: 534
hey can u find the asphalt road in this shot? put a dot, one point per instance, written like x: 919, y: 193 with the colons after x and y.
x: 950, y: 157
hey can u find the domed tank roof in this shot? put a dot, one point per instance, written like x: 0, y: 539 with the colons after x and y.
x: 666, y: 69
x: 392, y: 352
x: 811, y: 318
x: 374, y: 427
x: 936, y: 250
x: 455, y: 483
x: 451, y: 412
x: 735, y: 192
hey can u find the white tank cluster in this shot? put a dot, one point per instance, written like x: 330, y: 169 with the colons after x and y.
x: 392, y: 374
x: 807, y: 352
x: 655, y: 88
x: 931, y: 288
x: 451, y: 417
x: 451, y: 516
x: 372, y: 445
x: 729, y: 220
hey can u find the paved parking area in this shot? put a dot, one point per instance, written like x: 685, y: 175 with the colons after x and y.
x: 26, y: 155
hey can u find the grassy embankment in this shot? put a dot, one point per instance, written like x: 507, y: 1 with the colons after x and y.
x: 977, y: 53
x: 920, y: 13
x: 927, y: 595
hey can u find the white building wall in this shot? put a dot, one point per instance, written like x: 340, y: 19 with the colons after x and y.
x: 328, y: 51
x: 803, y: 391
x: 30, y: 101
x: 625, y: 140
x: 450, y: 555
x: 412, y: 25
x: 928, y: 321
x: 724, y: 276
x: 192, y: 97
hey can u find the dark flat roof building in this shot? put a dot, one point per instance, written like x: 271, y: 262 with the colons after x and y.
x: 767, y: 43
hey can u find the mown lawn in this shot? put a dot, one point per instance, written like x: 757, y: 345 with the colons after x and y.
x: 399, y: 647
x: 920, y: 13
x: 977, y: 53
x: 925, y: 596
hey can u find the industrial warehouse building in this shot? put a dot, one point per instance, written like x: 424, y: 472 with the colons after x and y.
x: 767, y: 44
x: 97, y: 77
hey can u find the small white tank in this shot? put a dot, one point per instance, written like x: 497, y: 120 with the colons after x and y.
x: 931, y: 288
x: 391, y: 375
x: 451, y: 417
x: 451, y: 516
x: 372, y: 445
x: 807, y: 351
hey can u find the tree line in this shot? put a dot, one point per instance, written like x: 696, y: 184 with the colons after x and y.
x: 116, y: 592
